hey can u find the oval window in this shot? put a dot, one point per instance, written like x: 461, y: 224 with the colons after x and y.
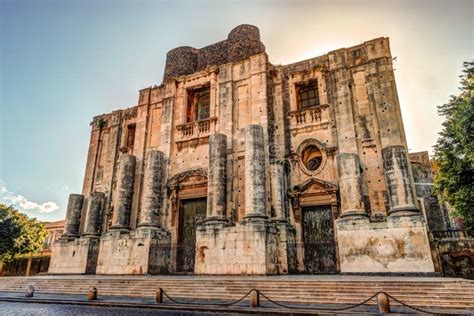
x: 312, y: 157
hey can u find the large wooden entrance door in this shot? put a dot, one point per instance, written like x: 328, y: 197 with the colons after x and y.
x: 319, y: 243
x: 191, y: 212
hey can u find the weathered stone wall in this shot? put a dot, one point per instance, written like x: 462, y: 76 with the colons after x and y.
x: 242, y: 42
x: 246, y: 248
x: 78, y: 256
x: 435, y: 214
x: 136, y: 252
x: 457, y: 257
x: 398, y: 245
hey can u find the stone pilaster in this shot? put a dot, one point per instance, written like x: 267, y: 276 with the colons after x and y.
x: 73, y: 216
x: 152, y: 187
x: 397, y: 175
x: 93, y: 214
x: 124, y: 192
x: 350, y: 189
x: 255, y: 173
x: 217, y: 178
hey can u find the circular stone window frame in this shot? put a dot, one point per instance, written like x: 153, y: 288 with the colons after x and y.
x: 305, y: 144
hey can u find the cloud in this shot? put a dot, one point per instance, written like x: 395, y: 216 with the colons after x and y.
x: 23, y: 204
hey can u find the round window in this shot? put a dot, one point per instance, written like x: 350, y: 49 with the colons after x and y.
x: 312, y: 157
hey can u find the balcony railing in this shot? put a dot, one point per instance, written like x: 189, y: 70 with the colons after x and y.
x: 196, y: 129
x: 308, y: 116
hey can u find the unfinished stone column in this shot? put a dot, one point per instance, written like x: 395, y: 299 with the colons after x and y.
x: 217, y: 178
x: 350, y: 189
x: 398, y: 179
x: 124, y: 191
x: 255, y: 195
x: 152, y: 187
x: 278, y: 189
x: 73, y: 215
x: 93, y: 214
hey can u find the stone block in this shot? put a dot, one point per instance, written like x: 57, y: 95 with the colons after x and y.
x: 400, y: 245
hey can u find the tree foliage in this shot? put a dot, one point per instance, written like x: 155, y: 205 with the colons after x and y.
x: 454, y: 151
x: 19, y: 235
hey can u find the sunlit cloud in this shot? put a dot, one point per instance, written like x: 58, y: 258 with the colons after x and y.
x: 22, y: 203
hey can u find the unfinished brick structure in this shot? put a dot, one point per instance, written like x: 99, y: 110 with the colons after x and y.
x: 237, y: 166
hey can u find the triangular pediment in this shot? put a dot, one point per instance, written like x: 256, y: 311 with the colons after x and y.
x: 315, y: 185
x: 193, y: 175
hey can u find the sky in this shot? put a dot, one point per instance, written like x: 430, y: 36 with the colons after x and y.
x: 63, y: 62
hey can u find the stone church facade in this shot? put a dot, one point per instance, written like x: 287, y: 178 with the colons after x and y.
x: 234, y: 165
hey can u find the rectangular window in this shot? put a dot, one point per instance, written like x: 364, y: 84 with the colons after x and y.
x: 130, y: 135
x: 198, y: 105
x: 307, y: 94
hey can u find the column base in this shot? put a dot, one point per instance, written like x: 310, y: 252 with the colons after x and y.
x: 119, y: 228
x: 405, y: 210
x: 354, y: 214
x: 217, y: 219
x: 149, y: 225
x: 255, y: 217
x: 68, y: 237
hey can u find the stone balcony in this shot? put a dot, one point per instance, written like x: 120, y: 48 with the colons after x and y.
x: 310, y: 117
x: 194, y: 131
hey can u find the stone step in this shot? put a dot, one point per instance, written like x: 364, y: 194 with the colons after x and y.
x: 313, y: 291
x: 460, y: 291
x: 274, y: 284
x: 455, y: 293
x: 233, y: 295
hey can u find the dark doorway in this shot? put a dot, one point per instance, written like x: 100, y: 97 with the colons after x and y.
x: 190, y: 213
x: 319, y: 243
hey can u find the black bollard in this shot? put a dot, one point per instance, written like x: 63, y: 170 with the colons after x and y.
x: 92, y: 294
x: 159, y: 296
x: 255, y: 299
x: 383, y: 303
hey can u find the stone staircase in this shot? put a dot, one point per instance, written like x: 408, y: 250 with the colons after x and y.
x: 416, y: 291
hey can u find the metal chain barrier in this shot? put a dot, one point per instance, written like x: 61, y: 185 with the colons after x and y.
x: 318, y: 308
x: 415, y: 308
x: 211, y: 304
x: 302, y: 307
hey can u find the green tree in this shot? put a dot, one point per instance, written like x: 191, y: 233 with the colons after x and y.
x: 19, y: 235
x: 454, y: 151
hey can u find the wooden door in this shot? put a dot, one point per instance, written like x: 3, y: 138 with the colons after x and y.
x: 191, y: 212
x: 319, y: 243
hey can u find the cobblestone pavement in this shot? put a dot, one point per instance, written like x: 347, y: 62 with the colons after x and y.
x: 8, y: 308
